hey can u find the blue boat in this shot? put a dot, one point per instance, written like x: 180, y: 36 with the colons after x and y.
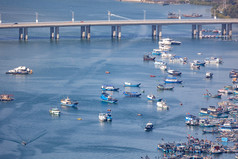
x: 132, y: 94
x: 109, y: 88
x: 67, y: 102
x: 107, y: 98
x: 199, y: 63
x: 109, y: 115
x: 172, y: 80
x: 128, y: 84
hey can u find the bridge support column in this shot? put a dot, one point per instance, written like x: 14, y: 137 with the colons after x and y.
x: 119, y: 32
x: 52, y: 29
x: 223, y: 29
x: 88, y: 32
x: 83, y: 34
x: 56, y: 33
x: 20, y: 33
x: 25, y: 33
x: 229, y: 30
x: 200, y: 31
x: 159, y: 31
x: 153, y: 30
x: 194, y: 31
x: 114, y: 34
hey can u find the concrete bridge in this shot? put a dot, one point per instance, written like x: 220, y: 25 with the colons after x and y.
x: 156, y: 24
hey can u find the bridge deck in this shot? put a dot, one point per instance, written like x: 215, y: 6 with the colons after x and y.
x: 119, y: 22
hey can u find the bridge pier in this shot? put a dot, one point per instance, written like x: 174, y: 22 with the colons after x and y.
x: 20, y: 33
x: 229, y: 30
x: 194, y: 31
x: 223, y: 29
x: 52, y: 32
x: 119, y: 32
x: 159, y: 31
x: 153, y: 30
x: 25, y: 33
x: 88, y: 32
x: 83, y: 34
x: 199, y: 31
x: 114, y: 33
x: 56, y: 33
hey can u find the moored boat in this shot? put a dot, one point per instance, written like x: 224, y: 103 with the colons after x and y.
x: 102, y: 116
x: 107, y: 98
x: 148, y: 58
x: 197, y: 62
x: 194, y: 66
x: 209, y: 74
x: 172, y: 80
x: 109, y: 88
x: 132, y: 94
x: 213, y: 60
x: 162, y: 104
x: 193, y: 15
x: 174, y: 72
x: 162, y: 87
x: 54, y: 111
x: 21, y: 70
x: 128, y: 84
x: 68, y: 102
x: 109, y: 115
x: 6, y: 97
x: 149, y: 126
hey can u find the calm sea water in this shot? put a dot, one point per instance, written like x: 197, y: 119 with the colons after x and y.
x: 76, y: 68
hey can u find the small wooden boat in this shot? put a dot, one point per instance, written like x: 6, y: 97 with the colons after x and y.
x: 162, y: 87
x: 128, y: 84
x: 209, y: 74
x: 210, y: 131
x: 132, y: 94
x: 197, y: 62
x: 152, y: 76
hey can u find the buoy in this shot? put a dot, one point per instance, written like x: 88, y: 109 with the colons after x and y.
x: 79, y: 119
x: 107, y: 72
x: 139, y: 114
x: 181, y: 104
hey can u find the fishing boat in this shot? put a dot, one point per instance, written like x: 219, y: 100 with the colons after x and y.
x: 128, y: 84
x: 167, y: 55
x: 173, y: 15
x: 213, y: 60
x: 152, y: 97
x: 163, y: 67
x: 162, y: 104
x: 234, y: 80
x: 215, y: 149
x: 162, y: 87
x: 67, y: 102
x: 148, y: 58
x: 159, y: 62
x: 107, y: 98
x: 21, y: 70
x: 102, y: 116
x: 6, y: 97
x: 197, y: 62
x: 109, y: 88
x: 174, y: 73
x: 156, y: 51
x: 209, y: 74
x: 172, y: 80
x: 203, y: 111
x: 54, y: 111
x: 132, y: 94
x: 148, y: 127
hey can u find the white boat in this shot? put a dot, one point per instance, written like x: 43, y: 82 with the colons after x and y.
x: 165, y: 41
x: 151, y: 97
x: 67, y: 102
x: 149, y: 126
x: 102, y: 116
x: 160, y: 63
x: 163, y: 67
x: 194, y: 66
x: 167, y: 55
x: 164, y: 47
x: 213, y: 60
x: 162, y: 104
x: 209, y: 74
x: 54, y: 111
x: 174, y: 73
x: 20, y: 70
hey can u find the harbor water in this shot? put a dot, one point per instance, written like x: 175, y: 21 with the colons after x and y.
x: 74, y: 67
